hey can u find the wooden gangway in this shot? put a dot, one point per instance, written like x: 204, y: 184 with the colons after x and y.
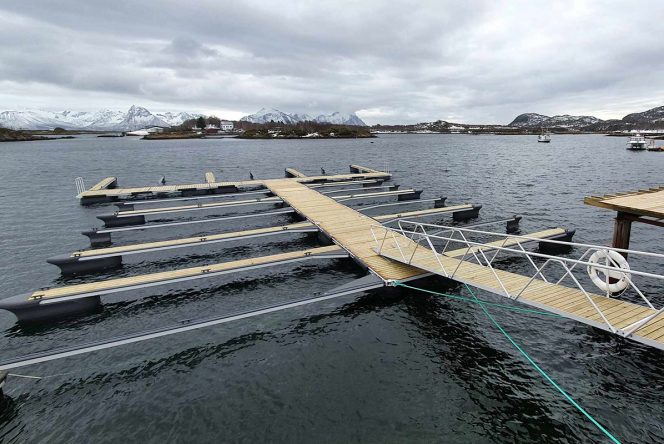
x: 641, y: 323
x: 345, y: 226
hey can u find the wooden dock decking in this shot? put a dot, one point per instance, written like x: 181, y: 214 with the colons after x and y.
x: 353, y: 236
x: 292, y: 172
x: 152, y: 279
x: 560, y: 299
x: 104, y: 184
x: 644, y: 206
x: 648, y: 202
x: 164, y: 189
x: 346, y: 227
x: 84, y: 261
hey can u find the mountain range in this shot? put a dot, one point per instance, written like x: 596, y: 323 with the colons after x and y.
x: 646, y: 120
x: 266, y: 115
x: 135, y: 118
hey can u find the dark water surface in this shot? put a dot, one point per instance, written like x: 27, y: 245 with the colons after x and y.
x: 382, y: 367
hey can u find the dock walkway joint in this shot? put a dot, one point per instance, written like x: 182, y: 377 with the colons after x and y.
x: 347, y: 227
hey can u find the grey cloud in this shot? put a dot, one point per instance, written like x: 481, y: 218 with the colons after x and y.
x: 476, y: 61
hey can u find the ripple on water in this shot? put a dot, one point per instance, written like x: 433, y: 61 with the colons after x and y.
x: 386, y: 367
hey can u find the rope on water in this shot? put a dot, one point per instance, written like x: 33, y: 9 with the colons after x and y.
x: 482, y: 304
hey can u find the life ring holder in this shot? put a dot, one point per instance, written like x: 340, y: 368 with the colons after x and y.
x: 620, y: 279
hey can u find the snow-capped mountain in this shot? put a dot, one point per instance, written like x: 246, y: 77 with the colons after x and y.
x: 533, y: 120
x: 652, y: 116
x: 103, y: 120
x: 174, y: 119
x: 528, y: 120
x: 138, y: 117
x: 341, y: 119
x: 266, y: 115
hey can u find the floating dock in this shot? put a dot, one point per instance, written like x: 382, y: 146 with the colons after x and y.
x: 137, y: 217
x: 108, y: 194
x: 72, y: 299
x: 351, y: 234
x: 303, y: 195
x: 87, y: 261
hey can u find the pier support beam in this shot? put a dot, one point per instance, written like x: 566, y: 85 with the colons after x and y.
x: 472, y: 213
x: 97, y: 239
x: 31, y: 310
x: 621, y: 231
x: 551, y: 248
x: 410, y: 196
x: 96, y: 200
x: 513, y: 224
x: 71, y: 264
x: 112, y: 220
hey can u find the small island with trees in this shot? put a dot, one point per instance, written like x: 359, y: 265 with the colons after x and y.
x: 9, y: 135
x: 206, y: 127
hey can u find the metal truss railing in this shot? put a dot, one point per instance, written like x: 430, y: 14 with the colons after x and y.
x: 618, y: 276
x: 80, y: 185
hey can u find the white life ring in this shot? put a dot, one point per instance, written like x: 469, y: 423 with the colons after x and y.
x: 598, y: 275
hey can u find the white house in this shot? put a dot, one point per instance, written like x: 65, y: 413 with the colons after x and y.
x: 226, y: 125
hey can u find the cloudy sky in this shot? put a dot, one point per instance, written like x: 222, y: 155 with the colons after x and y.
x: 391, y: 62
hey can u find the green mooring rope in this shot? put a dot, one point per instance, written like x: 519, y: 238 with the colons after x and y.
x: 480, y: 301
x: 482, y: 304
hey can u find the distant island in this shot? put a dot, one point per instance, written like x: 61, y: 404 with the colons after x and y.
x: 305, y: 130
x: 8, y: 135
x: 651, y: 121
x: 271, y: 123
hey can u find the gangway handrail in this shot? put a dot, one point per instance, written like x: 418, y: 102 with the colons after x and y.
x: 475, y: 249
x: 80, y: 186
x: 519, y: 236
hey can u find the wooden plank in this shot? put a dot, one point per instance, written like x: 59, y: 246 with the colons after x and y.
x: 200, y: 240
x: 292, y: 172
x: 103, y: 184
x: 115, y: 192
x: 114, y: 284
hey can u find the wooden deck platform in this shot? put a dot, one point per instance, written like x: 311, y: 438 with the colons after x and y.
x: 649, y: 202
x: 152, y: 279
x: 292, y: 172
x: 137, y: 217
x: 85, y: 261
x: 346, y: 227
x: 644, y: 206
x: 362, y: 169
x: 115, y: 193
x: 563, y: 300
x: 108, y: 182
